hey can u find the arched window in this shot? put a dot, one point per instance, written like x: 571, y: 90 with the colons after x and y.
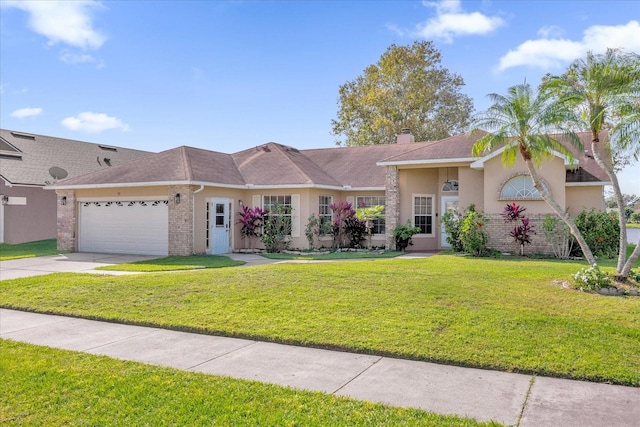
x: 519, y: 187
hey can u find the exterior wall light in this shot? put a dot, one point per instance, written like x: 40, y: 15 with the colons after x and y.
x: 5, y: 199
x: 240, y: 203
x: 63, y: 201
x: 176, y: 198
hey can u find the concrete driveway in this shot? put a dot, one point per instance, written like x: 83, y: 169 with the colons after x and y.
x: 76, y: 262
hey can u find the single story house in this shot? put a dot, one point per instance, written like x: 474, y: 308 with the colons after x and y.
x: 186, y: 200
x: 28, y: 163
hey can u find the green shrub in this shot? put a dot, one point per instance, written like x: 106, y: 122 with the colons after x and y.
x: 601, y: 231
x: 472, y: 235
x: 558, y: 235
x: 452, y: 224
x: 591, y: 279
x: 276, y: 229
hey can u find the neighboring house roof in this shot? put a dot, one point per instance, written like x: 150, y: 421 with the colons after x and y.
x: 28, y: 159
x: 275, y: 165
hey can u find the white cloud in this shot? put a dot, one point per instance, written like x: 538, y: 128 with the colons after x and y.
x: 550, y: 31
x: 68, y: 22
x: 451, y: 21
x: 94, y: 122
x: 549, y: 53
x: 26, y: 112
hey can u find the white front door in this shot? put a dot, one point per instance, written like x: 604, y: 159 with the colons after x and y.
x: 220, y: 226
x: 447, y: 203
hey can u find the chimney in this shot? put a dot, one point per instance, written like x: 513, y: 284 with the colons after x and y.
x: 405, y: 137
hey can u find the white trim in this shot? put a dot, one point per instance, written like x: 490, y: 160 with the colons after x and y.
x: 122, y: 199
x: 207, y: 184
x: 425, y: 161
x: 479, y: 164
x: 1, y: 223
x: 588, y: 184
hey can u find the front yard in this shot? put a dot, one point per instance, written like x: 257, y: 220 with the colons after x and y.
x: 508, y: 315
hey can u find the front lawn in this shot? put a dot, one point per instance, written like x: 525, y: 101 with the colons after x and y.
x: 46, y: 387
x: 29, y: 249
x: 501, y: 314
x: 174, y: 263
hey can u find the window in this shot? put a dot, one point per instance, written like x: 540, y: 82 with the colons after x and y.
x: 324, y: 211
x: 423, y: 213
x: 519, y: 187
x: 269, y: 204
x: 367, y: 202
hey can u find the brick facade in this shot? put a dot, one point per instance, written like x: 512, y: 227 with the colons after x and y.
x: 392, y: 208
x: 499, y: 239
x: 181, y: 221
x: 67, y: 220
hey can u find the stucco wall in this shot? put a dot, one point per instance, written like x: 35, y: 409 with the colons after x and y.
x: 425, y: 182
x: 471, y: 188
x: 496, y: 174
x: 35, y: 220
x: 585, y: 198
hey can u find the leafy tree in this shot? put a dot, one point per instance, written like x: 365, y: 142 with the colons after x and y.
x: 406, y: 88
x: 604, y: 89
x: 521, y: 121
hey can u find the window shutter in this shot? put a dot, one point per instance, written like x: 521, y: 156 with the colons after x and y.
x: 295, y: 215
x: 257, y: 202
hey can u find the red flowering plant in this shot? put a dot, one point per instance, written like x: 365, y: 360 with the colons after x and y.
x: 251, y: 220
x: 520, y: 233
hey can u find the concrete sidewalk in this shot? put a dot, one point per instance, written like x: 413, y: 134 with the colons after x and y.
x: 512, y: 399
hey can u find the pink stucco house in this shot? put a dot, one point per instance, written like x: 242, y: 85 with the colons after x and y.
x: 185, y: 200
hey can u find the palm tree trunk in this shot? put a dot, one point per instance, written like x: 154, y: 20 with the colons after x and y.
x: 622, y: 248
x: 546, y: 195
x: 626, y: 269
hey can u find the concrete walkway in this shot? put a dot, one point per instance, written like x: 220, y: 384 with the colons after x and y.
x: 512, y: 399
x: 75, y: 262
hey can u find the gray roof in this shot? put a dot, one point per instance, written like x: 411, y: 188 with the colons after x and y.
x: 274, y: 164
x: 26, y: 159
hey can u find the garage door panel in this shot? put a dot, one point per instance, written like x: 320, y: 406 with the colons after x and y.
x: 131, y: 227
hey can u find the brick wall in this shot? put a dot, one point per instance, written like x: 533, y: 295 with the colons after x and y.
x: 181, y: 221
x: 67, y: 220
x: 499, y: 238
x: 392, y: 208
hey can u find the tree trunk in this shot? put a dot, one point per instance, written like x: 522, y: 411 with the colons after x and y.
x: 622, y: 248
x: 626, y: 269
x: 546, y: 195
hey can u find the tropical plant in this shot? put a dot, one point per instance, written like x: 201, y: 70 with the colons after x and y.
x: 604, y: 89
x: 557, y: 234
x: 520, y: 233
x: 601, y: 231
x: 521, y: 123
x: 276, y: 228
x: 472, y: 235
x: 312, y: 229
x: 368, y: 215
x: 403, y: 234
x: 452, y: 220
x: 251, y: 220
x: 406, y: 88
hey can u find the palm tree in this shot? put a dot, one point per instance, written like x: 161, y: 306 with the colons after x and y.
x: 604, y: 88
x: 522, y: 122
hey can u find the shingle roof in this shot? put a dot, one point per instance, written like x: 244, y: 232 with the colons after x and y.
x: 274, y: 164
x: 27, y: 158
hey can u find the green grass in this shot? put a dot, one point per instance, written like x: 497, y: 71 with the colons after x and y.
x: 333, y: 255
x: 499, y: 314
x: 43, y: 386
x: 29, y: 249
x: 174, y: 263
x: 633, y: 225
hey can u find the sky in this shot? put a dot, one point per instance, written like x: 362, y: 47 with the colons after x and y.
x: 231, y: 75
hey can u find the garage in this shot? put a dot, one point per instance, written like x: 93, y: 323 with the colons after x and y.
x: 124, y: 227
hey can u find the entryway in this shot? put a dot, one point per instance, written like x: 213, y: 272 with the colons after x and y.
x: 447, y: 203
x: 221, y: 226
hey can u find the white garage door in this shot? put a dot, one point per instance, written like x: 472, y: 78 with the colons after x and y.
x: 131, y: 227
